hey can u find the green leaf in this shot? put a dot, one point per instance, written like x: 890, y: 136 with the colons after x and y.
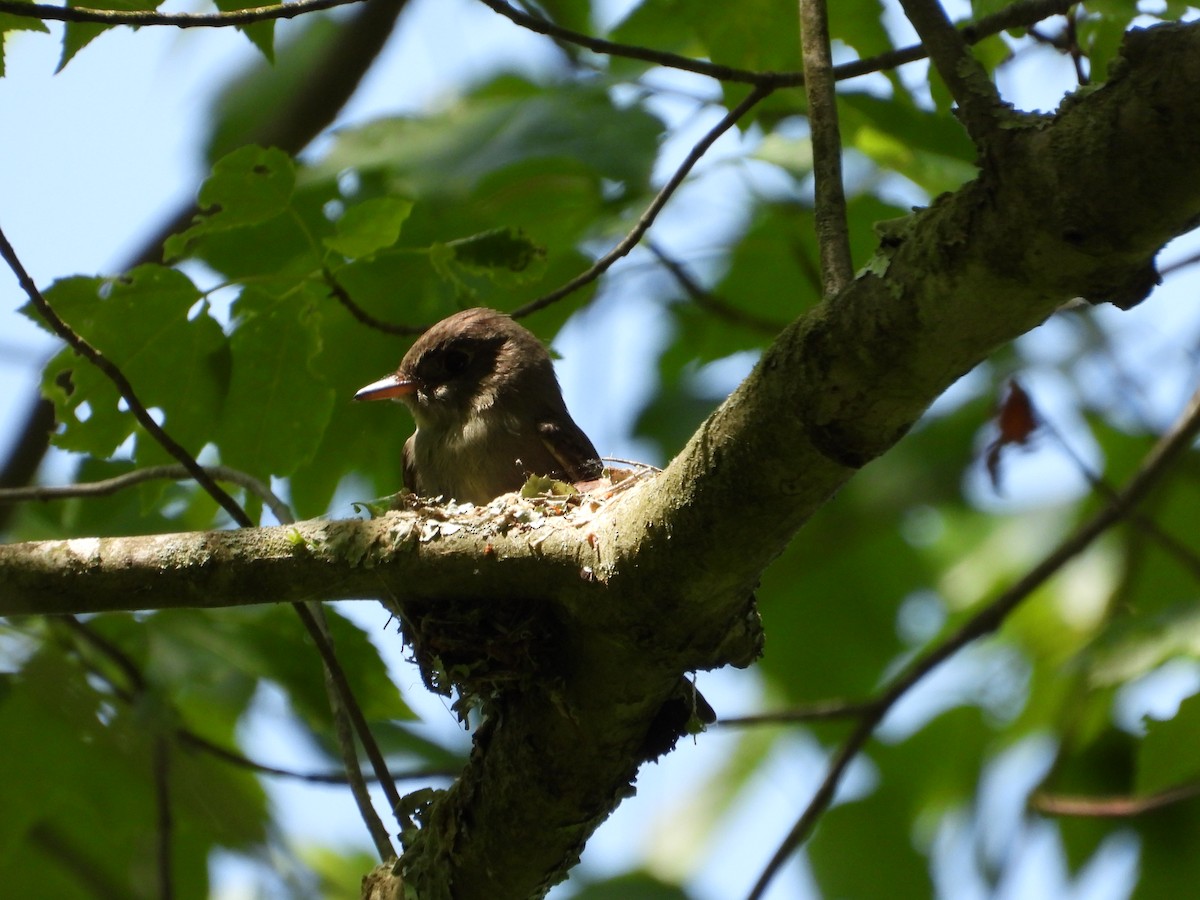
x: 249, y: 186
x: 80, y: 766
x: 261, y: 34
x: 77, y: 35
x: 931, y: 150
x: 9, y: 22
x: 503, y: 255
x: 144, y: 324
x: 504, y: 123
x: 369, y: 226
x: 278, y: 403
x: 501, y: 248
x: 631, y: 886
x: 1167, y: 755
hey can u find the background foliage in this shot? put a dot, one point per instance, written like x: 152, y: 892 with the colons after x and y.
x: 240, y: 337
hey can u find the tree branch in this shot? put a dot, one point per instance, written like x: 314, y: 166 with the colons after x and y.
x: 117, y: 377
x: 979, y: 103
x: 947, y: 286
x: 310, y: 613
x: 627, y: 243
x: 833, y: 232
x: 709, y: 302
x: 821, y: 711
x: 179, y: 20
x: 107, y: 486
x: 1016, y: 15
x: 1113, y: 807
x: 615, y: 612
x: 1177, y: 441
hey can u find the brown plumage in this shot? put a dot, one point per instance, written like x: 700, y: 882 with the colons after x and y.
x: 488, y: 409
x: 489, y: 414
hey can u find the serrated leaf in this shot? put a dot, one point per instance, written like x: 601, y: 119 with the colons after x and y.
x: 248, y: 186
x: 261, y: 34
x: 77, y: 35
x: 141, y: 324
x: 369, y: 226
x: 9, y: 22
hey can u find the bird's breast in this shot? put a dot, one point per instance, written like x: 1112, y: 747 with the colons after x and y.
x: 489, y: 455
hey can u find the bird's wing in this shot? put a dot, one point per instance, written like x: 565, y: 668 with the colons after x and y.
x: 572, y: 450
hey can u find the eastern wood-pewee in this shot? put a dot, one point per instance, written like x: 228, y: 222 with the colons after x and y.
x: 488, y: 409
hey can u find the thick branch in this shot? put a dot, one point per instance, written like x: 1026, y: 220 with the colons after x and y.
x: 979, y: 103
x: 569, y: 724
x: 1079, y: 206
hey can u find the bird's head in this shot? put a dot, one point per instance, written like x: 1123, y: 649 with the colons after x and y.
x: 462, y: 366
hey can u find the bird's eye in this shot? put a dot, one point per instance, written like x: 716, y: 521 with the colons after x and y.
x: 455, y: 362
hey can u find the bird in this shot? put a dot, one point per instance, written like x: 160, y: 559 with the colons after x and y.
x: 490, y: 413
x: 488, y: 408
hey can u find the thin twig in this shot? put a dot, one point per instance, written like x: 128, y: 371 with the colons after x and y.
x: 1178, y: 264
x: 1016, y: 15
x: 178, y: 20
x: 137, y: 683
x: 124, y: 388
x: 1170, y: 446
x: 979, y: 102
x: 833, y: 230
x: 310, y: 614
x: 115, y: 655
x: 822, y: 711
x: 645, y: 466
x: 645, y: 54
x: 1113, y: 807
x: 191, y: 739
x: 338, y: 675
x: 708, y: 301
x: 1184, y: 555
x: 358, y: 786
x: 343, y: 297
x: 108, y: 486
x: 627, y: 243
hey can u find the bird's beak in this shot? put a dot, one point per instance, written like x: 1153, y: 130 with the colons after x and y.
x: 391, y: 388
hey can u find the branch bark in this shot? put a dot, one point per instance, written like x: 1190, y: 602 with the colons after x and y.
x: 833, y: 231
x: 622, y: 598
